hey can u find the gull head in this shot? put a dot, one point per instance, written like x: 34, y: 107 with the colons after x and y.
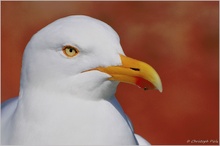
x: 80, y: 56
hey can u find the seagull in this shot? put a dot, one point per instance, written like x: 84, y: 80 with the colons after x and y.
x: 70, y: 72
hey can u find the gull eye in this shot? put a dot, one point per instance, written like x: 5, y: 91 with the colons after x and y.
x: 70, y: 51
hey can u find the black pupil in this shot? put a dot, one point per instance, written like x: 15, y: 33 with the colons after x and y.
x: 71, y: 50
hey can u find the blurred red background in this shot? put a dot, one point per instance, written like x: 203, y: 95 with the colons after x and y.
x: 179, y: 39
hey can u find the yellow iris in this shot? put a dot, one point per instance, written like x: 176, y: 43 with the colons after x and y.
x: 70, y: 51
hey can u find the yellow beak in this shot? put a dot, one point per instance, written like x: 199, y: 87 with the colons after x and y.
x: 134, y: 72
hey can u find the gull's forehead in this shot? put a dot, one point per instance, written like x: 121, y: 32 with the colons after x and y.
x: 80, y: 30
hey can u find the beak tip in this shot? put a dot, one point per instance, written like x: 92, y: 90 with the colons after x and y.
x: 160, y: 89
x: 159, y: 86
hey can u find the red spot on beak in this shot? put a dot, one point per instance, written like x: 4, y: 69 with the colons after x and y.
x: 140, y: 82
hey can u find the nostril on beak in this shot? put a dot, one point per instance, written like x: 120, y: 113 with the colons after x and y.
x: 135, y: 69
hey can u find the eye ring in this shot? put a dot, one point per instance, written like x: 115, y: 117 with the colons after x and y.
x: 70, y: 51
